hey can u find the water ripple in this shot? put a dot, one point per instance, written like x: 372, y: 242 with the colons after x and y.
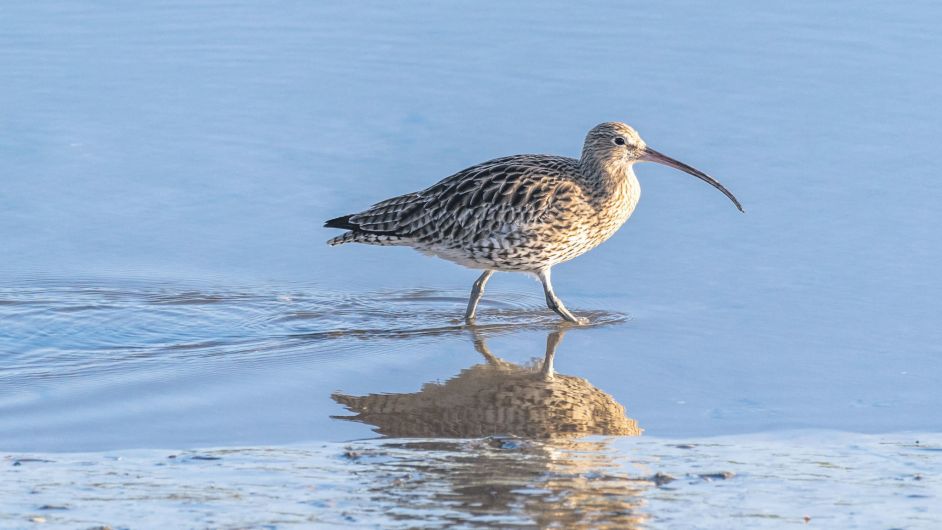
x: 54, y: 330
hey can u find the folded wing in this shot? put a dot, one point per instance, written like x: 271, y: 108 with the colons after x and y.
x: 481, y: 202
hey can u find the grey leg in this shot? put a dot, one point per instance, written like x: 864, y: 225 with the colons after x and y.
x: 553, y: 301
x: 477, y: 291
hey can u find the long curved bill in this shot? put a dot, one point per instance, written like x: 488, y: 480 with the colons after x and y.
x: 650, y: 155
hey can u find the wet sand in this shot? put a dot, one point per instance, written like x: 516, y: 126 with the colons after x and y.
x: 809, y: 479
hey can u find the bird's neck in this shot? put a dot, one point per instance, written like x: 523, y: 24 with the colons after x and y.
x: 610, y: 179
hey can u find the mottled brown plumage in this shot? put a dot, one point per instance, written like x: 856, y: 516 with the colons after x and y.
x: 521, y: 213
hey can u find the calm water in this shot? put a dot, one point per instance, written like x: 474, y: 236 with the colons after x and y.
x: 167, y: 168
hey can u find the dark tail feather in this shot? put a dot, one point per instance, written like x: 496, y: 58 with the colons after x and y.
x: 342, y: 222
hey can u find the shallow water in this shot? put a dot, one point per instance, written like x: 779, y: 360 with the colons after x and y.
x: 93, y: 366
x: 167, y: 168
x: 827, y: 480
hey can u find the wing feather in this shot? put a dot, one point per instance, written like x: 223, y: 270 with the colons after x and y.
x: 477, y: 204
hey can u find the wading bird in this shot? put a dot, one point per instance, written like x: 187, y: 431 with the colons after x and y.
x: 522, y: 213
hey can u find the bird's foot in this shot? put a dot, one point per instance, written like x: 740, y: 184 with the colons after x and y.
x: 561, y: 310
x: 578, y: 321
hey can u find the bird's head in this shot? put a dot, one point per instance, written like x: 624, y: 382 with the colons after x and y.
x: 613, y: 145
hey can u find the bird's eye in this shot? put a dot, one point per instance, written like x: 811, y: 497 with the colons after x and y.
x: 619, y: 140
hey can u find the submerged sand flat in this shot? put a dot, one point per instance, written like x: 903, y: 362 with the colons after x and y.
x: 810, y: 479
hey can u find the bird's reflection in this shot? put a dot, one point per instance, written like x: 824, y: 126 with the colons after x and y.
x: 496, y: 397
x: 516, y: 458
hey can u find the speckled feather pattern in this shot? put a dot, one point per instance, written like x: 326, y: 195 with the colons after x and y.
x: 518, y: 213
x: 521, y: 213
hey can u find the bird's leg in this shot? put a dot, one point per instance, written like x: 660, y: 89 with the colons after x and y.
x: 482, y: 348
x: 552, y: 342
x: 553, y: 301
x: 477, y: 291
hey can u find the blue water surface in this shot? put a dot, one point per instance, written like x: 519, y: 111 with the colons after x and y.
x: 167, y: 167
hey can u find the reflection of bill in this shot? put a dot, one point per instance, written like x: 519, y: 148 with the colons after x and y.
x: 497, y: 397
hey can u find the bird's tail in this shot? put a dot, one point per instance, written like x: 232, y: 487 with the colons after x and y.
x: 356, y: 234
x: 364, y: 237
x: 346, y: 237
x: 341, y: 222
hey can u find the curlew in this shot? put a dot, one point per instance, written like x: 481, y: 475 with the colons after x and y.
x: 522, y: 213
